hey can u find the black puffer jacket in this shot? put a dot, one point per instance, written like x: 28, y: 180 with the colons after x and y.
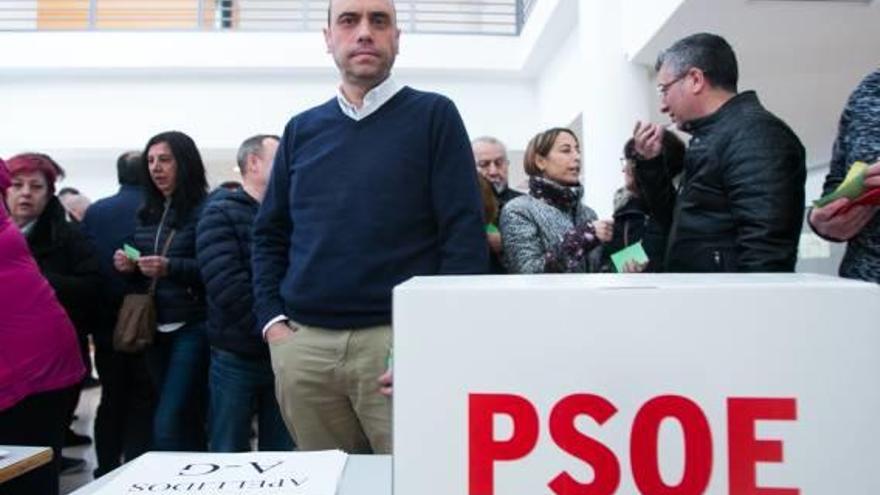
x: 632, y: 224
x: 180, y: 296
x: 69, y: 263
x: 740, y: 204
x: 224, y: 254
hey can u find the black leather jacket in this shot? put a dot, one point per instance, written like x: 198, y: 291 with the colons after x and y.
x: 740, y: 203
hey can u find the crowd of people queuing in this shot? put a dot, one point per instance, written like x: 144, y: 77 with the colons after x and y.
x: 273, y: 296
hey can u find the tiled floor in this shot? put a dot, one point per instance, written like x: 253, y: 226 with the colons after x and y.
x: 85, y: 410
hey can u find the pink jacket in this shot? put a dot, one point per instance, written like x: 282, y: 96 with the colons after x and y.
x: 38, y: 347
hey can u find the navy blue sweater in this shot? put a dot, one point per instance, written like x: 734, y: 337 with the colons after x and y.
x: 354, y: 208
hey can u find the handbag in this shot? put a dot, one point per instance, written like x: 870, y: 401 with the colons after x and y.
x: 136, y: 323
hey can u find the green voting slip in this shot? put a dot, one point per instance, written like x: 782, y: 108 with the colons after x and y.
x: 132, y: 253
x: 634, y: 252
x: 852, y: 187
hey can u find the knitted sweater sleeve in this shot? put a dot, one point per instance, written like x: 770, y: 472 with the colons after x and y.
x: 271, y: 236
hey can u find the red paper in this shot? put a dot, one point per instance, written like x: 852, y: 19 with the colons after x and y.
x: 871, y: 197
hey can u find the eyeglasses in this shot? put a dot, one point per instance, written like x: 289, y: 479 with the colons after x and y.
x: 663, y: 88
x: 498, y: 162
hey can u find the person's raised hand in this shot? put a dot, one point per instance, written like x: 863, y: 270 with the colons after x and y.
x: 648, y: 139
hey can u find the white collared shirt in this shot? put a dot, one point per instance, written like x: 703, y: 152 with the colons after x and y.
x: 373, y: 100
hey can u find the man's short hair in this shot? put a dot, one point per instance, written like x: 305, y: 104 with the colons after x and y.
x: 251, y: 146
x: 705, y: 51
x: 491, y: 140
x: 68, y: 190
x: 128, y: 168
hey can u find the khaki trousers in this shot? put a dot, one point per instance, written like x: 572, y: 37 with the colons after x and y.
x: 326, y: 385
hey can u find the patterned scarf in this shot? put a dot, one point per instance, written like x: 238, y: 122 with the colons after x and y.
x: 564, y: 198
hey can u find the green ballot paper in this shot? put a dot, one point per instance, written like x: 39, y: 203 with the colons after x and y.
x: 132, y: 253
x: 852, y: 187
x: 634, y: 252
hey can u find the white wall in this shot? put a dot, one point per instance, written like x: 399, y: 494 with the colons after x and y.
x: 641, y: 19
x: 78, y: 94
x: 589, y: 77
x: 87, y: 120
x: 562, y: 80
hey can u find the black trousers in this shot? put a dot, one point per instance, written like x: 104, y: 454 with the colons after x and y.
x: 124, y: 421
x: 38, y: 420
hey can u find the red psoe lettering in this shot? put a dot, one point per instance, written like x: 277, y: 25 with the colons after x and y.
x: 597, y: 455
x: 745, y: 451
x: 697, y: 446
x: 483, y: 449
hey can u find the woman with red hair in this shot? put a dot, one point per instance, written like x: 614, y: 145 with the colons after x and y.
x: 65, y: 257
x: 41, y: 365
x: 63, y: 253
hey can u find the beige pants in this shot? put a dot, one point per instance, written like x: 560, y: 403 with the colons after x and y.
x: 326, y: 384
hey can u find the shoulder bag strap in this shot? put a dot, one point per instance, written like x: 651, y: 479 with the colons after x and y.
x: 152, y: 290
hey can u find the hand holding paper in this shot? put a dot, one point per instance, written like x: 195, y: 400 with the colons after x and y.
x: 131, y: 252
x: 833, y: 222
x: 872, y: 175
x: 852, y: 186
x: 844, y: 212
x: 860, y: 186
x: 629, y: 257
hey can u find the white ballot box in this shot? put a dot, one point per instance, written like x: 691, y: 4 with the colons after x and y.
x: 626, y: 384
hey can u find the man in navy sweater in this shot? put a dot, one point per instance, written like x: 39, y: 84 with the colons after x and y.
x: 371, y: 188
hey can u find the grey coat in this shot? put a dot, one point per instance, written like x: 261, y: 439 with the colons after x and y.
x: 532, y: 230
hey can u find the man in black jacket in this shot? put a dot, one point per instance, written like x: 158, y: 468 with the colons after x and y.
x: 241, y: 379
x: 123, y: 423
x: 740, y: 203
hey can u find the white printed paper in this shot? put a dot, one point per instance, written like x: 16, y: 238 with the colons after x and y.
x: 250, y: 473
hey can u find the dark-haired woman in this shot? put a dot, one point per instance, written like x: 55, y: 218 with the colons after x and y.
x: 173, y: 199
x: 633, y: 219
x: 550, y: 230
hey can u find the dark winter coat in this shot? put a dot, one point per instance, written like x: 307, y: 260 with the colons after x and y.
x: 69, y: 263
x: 740, y: 204
x: 633, y: 223
x: 224, y: 253
x: 109, y: 223
x: 180, y: 295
